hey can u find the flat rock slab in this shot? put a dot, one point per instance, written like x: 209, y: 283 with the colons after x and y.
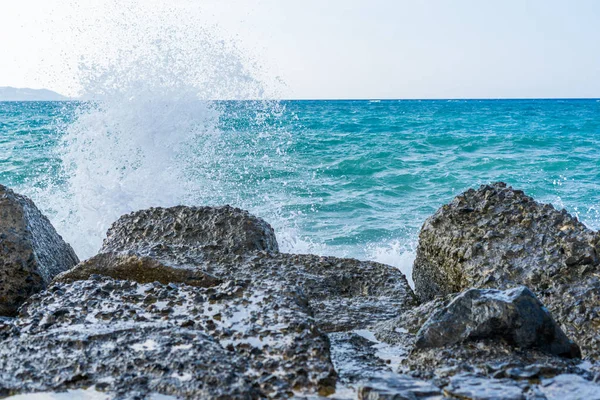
x: 226, y: 243
x: 515, y: 315
x: 398, y: 387
x: 560, y: 387
x: 343, y: 294
x: 571, y: 386
x: 136, y: 268
x: 497, y: 237
x: 481, y: 388
x: 31, y: 251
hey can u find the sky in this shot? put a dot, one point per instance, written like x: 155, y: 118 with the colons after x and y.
x: 319, y: 49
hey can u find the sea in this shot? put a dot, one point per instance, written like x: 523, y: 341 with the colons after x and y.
x: 349, y: 178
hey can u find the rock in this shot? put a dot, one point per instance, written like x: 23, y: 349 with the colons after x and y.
x: 135, y: 268
x: 198, y: 230
x: 488, y: 358
x: 237, y: 340
x: 398, y: 388
x: 31, y: 252
x: 567, y: 386
x: 355, y: 357
x: 362, y: 361
x: 497, y: 237
x: 343, y: 294
x: 515, y: 315
x: 479, y: 388
x: 570, y: 386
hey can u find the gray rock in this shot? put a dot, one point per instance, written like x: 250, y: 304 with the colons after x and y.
x: 497, y: 237
x: 560, y: 387
x: 398, y: 387
x: 357, y: 359
x: 368, y: 365
x: 572, y: 387
x: 200, y: 230
x: 515, y: 315
x: 488, y: 358
x: 343, y: 294
x: 324, y: 294
x: 135, y: 268
x: 237, y: 340
x: 31, y: 252
x: 480, y: 388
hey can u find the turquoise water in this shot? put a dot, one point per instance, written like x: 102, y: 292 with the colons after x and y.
x: 348, y: 178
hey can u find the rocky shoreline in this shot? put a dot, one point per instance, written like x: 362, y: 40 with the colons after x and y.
x: 198, y: 302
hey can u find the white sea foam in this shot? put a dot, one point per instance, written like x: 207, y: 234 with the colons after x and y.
x: 395, y: 253
x: 149, y: 82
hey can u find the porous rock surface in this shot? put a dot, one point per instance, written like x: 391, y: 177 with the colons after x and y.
x: 497, y: 237
x: 343, y: 294
x: 239, y: 340
x: 485, y: 358
x: 31, y: 251
x: 515, y: 315
x: 202, y: 230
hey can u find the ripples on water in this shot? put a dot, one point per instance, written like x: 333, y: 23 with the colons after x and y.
x: 347, y: 178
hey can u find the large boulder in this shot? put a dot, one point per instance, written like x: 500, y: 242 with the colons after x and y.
x: 31, y: 251
x: 515, y: 315
x: 195, y: 230
x: 497, y: 237
x: 489, y: 366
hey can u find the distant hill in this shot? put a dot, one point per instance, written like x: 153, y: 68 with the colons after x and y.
x: 17, y: 94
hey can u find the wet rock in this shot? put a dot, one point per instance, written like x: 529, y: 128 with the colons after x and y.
x: 104, y: 332
x: 31, y: 252
x: 358, y: 357
x: 515, y: 315
x: 570, y: 387
x: 368, y: 365
x: 567, y: 386
x: 479, y: 388
x: 497, y: 237
x: 343, y: 294
x: 489, y: 358
x: 199, y: 230
x: 398, y: 387
x: 136, y: 268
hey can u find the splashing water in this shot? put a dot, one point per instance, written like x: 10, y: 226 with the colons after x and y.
x: 148, y: 133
